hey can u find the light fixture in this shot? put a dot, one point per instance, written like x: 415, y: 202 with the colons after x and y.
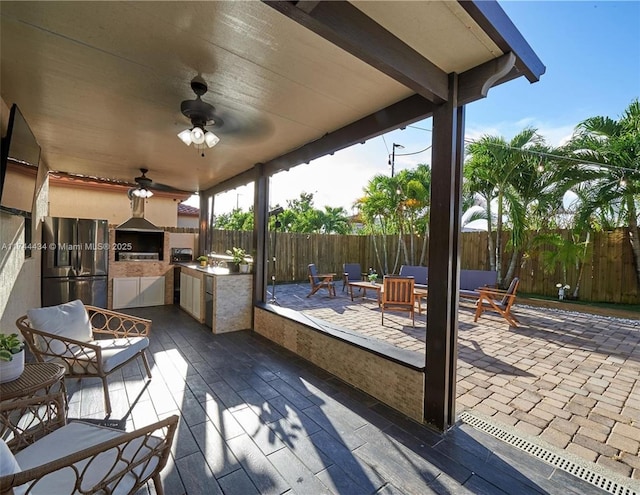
x: 142, y: 192
x: 199, y: 137
x: 211, y: 139
x: 185, y: 136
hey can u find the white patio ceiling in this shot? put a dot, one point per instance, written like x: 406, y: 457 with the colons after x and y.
x: 100, y: 83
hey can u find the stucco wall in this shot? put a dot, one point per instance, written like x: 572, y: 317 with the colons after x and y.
x: 74, y: 202
x: 20, y: 277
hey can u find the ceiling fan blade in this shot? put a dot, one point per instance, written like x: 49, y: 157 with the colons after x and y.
x: 147, y: 183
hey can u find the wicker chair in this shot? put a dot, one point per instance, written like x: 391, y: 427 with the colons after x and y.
x: 84, y: 355
x: 79, y: 457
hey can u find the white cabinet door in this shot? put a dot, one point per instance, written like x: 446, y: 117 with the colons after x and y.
x: 183, y: 289
x: 195, y: 294
x: 125, y: 292
x: 151, y: 291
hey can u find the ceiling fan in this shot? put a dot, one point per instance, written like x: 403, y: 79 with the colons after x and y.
x: 201, y: 114
x: 146, y: 186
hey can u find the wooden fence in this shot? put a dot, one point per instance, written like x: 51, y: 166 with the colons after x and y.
x: 608, y: 276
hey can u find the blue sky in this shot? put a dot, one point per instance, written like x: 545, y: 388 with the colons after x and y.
x: 592, y: 54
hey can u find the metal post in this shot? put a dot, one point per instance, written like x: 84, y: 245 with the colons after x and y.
x: 393, y: 157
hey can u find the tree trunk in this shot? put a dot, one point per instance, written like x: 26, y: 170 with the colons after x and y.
x: 498, y: 248
x: 490, y: 243
x: 401, y: 247
x: 511, y: 270
x: 376, y: 251
x: 634, y: 234
x: 425, y: 245
x: 581, y: 265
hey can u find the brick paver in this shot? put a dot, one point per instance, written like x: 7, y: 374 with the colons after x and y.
x: 571, y: 379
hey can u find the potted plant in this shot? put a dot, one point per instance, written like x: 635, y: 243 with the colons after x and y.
x: 11, y: 357
x: 238, y: 256
x: 203, y: 260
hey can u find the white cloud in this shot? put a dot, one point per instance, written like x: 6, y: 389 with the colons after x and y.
x: 554, y: 134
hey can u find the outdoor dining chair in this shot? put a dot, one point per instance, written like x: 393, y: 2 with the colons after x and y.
x: 351, y: 273
x: 320, y: 280
x: 69, y: 334
x: 398, y: 295
x: 499, y: 301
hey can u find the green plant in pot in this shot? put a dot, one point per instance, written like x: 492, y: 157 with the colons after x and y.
x: 11, y: 357
x: 238, y: 256
x: 203, y: 260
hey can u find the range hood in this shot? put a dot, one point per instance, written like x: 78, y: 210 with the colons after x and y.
x: 137, y: 222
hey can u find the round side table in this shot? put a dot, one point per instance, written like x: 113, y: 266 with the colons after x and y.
x: 18, y: 414
x: 37, y: 378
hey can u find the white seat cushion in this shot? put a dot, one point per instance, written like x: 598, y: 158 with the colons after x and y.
x: 8, y: 463
x: 75, y: 437
x: 114, y: 353
x: 69, y: 320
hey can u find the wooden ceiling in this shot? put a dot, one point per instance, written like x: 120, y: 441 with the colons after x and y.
x: 100, y: 83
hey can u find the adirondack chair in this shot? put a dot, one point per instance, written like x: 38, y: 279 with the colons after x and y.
x: 320, y: 280
x: 498, y: 300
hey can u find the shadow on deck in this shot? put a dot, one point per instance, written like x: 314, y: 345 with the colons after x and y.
x: 257, y: 419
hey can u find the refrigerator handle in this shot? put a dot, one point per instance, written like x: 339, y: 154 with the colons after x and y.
x: 75, y: 255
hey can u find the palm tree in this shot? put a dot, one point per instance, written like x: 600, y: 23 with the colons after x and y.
x: 335, y: 220
x: 616, y: 145
x: 495, y: 166
x: 378, y: 208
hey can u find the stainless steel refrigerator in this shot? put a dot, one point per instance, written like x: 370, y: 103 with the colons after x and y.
x: 75, y: 261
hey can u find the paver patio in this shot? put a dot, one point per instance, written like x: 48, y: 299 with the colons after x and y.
x: 569, y: 379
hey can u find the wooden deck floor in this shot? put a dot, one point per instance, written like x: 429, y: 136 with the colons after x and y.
x: 256, y: 419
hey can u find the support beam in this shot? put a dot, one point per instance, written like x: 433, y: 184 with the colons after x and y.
x: 205, y: 227
x: 345, y: 26
x: 476, y: 83
x: 495, y: 22
x: 403, y: 113
x: 442, y: 304
x: 260, y: 234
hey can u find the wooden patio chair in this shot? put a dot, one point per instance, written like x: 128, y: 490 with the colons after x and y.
x: 320, y: 280
x: 497, y: 300
x: 67, y: 334
x: 398, y: 295
x: 79, y: 457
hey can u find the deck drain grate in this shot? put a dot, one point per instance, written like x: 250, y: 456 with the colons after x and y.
x: 546, y: 455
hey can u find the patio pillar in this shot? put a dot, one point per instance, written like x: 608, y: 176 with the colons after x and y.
x: 260, y: 233
x: 205, y: 227
x: 444, y: 259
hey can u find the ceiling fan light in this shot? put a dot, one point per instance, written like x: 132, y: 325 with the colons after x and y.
x: 185, y: 136
x: 141, y: 192
x: 211, y: 139
x: 197, y: 135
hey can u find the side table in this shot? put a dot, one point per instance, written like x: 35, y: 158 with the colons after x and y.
x: 33, y: 404
x: 37, y: 378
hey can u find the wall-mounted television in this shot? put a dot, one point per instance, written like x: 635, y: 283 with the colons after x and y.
x: 19, y: 161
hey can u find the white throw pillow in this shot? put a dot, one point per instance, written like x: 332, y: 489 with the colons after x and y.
x: 8, y: 463
x: 69, y: 320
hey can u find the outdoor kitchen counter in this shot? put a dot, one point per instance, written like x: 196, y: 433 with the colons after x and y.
x: 213, y: 296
